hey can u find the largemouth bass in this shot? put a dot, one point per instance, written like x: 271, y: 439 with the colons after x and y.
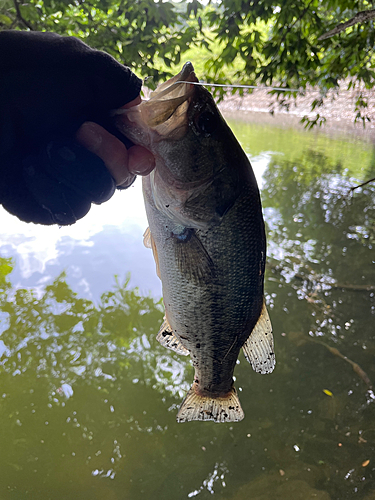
x: 207, y: 235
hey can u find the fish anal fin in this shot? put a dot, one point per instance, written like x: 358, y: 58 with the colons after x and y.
x: 193, y: 259
x: 259, y: 348
x: 168, y: 339
x: 223, y: 409
x: 149, y: 242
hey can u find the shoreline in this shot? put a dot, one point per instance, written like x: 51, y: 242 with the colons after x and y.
x: 339, y: 113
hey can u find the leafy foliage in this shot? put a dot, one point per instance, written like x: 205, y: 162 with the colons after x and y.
x: 139, y: 33
x: 264, y: 42
x: 278, y: 45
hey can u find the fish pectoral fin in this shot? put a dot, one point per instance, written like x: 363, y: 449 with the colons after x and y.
x: 147, y: 238
x: 193, y: 259
x: 258, y: 348
x: 224, y: 409
x: 149, y: 242
x: 168, y: 339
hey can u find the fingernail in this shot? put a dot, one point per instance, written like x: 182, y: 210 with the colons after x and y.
x: 127, y: 183
x: 142, y: 166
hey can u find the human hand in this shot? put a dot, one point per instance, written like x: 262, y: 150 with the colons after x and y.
x: 56, y: 134
x: 122, y: 163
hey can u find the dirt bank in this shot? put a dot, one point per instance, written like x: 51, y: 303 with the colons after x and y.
x: 339, y: 110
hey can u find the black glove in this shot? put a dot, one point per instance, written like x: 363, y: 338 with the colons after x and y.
x: 49, y: 86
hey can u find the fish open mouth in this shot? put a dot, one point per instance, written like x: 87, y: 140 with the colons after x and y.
x: 176, y: 86
x: 167, y: 99
x: 165, y: 113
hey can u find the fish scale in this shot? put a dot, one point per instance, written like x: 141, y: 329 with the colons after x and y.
x: 207, y: 234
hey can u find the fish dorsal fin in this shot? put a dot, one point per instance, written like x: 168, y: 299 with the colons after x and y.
x: 258, y: 348
x: 224, y: 409
x: 193, y: 259
x: 149, y: 242
x: 168, y: 339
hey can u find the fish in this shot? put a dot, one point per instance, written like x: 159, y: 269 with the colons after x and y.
x: 207, y: 235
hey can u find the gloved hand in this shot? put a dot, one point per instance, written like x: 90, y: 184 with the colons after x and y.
x: 49, y: 87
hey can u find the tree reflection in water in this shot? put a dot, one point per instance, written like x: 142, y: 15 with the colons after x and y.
x: 322, y: 239
x: 89, y: 398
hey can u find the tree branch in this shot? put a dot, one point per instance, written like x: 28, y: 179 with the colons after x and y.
x: 20, y: 17
x: 357, y: 369
x: 360, y: 17
x: 361, y: 185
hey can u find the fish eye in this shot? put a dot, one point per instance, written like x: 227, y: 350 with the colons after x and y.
x: 207, y: 122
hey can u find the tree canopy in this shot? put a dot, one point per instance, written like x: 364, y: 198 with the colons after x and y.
x: 276, y: 43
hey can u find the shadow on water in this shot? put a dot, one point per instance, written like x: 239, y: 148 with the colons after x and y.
x: 89, y: 398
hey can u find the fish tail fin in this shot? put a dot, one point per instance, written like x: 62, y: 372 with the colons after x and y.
x: 222, y: 409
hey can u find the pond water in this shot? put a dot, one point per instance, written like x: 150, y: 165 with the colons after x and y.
x: 89, y: 398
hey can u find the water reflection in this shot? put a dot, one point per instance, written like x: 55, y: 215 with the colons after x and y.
x: 107, y: 242
x: 322, y: 249
x: 321, y: 279
x: 89, y: 398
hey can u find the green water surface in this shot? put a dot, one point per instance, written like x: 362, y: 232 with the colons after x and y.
x: 88, y: 398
